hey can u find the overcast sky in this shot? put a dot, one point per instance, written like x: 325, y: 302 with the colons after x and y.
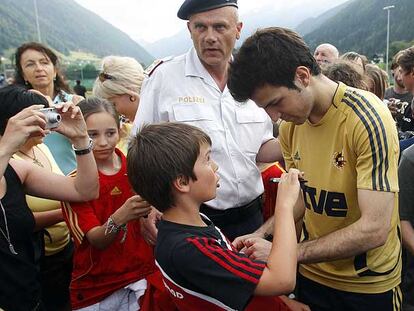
x: 151, y: 20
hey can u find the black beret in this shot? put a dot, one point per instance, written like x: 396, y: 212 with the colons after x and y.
x: 14, y: 99
x: 190, y: 7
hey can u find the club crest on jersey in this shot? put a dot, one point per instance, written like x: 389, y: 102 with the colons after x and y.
x: 296, y: 156
x: 339, y: 160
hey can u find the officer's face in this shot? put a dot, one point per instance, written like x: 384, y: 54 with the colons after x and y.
x: 214, y: 34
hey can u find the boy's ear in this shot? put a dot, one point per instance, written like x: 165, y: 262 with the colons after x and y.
x: 181, y: 184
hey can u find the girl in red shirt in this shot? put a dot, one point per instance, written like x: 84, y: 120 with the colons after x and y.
x: 111, y: 260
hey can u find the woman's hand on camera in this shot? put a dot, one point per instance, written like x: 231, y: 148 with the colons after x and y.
x: 73, y: 124
x: 29, y: 122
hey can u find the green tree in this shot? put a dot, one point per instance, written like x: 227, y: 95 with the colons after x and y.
x: 397, y: 46
x: 89, y: 71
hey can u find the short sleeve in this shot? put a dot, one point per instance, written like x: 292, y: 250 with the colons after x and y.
x: 80, y: 218
x: 375, y: 141
x: 268, y: 131
x: 148, y: 108
x: 285, y: 143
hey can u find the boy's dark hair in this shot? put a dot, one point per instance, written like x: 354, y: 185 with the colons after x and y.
x: 59, y: 83
x: 269, y: 56
x: 92, y: 105
x: 406, y: 59
x: 159, y: 154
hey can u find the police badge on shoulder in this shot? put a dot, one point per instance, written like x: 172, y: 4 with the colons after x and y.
x: 151, y: 68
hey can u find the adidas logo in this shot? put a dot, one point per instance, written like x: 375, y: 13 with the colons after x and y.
x: 116, y: 191
x: 296, y: 156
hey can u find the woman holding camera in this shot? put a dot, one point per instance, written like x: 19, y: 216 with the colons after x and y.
x: 19, y: 243
x: 56, y: 260
x: 37, y: 68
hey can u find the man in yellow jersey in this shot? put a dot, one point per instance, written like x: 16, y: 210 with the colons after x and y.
x: 345, y: 141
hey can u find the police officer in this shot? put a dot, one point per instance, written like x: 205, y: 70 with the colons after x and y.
x: 191, y: 88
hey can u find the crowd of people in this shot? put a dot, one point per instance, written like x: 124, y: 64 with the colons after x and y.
x: 272, y: 178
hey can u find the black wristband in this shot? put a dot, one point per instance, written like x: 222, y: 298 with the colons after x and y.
x: 84, y: 151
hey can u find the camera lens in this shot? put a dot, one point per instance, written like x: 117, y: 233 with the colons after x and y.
x: 54, y: 117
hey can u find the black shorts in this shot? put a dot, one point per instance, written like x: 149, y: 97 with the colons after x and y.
x: 322, y: 298
x: 407, y: 284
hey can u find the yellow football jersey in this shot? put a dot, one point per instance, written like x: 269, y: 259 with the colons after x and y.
x: 354, y: 146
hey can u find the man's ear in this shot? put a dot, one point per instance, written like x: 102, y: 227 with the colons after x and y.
x: 182, y: 184
x: 303, y: 75
x: 239, y: 27
x: 189, y: 29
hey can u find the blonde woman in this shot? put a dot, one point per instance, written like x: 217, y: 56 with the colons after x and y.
x: 120, y: 83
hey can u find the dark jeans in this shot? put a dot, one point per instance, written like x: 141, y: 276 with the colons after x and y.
x: 322, y: 298
x: 236, y: 221
x: 407, y: 284
x: 56, y: 271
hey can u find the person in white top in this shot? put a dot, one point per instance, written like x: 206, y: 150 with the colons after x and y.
x: 191, y: 88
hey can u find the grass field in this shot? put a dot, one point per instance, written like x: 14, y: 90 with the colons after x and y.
x: 80, y: 58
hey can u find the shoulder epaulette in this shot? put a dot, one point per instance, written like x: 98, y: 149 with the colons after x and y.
x: 151, y: 68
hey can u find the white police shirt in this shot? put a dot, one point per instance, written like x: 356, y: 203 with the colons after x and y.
x: 182, y: 90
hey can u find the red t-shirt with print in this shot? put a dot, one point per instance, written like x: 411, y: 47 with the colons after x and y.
x: 98, y: 273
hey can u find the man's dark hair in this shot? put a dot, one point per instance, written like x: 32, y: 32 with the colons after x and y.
x: 394, y: 63
x: 406, y: 59
x: 269, y: 56
x: 78, y: 82
x: 158, y: 155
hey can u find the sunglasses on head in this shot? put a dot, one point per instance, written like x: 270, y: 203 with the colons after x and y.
x: 105, y: 76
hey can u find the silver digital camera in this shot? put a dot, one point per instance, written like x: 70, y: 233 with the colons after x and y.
x: 53, y: 118
x: 401, y: 106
